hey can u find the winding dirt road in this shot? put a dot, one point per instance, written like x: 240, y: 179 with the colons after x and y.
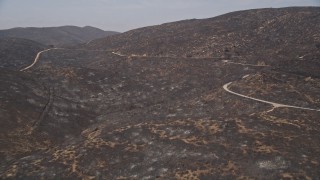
x: 225, y: 87
x: 37, y: 58
x: 274, y: 104
x: 46, y: 50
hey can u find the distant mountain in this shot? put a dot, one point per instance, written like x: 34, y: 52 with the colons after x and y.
x: 57, y: 36
x: 16, y: 53
x: 285, y: 32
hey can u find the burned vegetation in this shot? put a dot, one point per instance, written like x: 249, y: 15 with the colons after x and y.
x: 231, y: 97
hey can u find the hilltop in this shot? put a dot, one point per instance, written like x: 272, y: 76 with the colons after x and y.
x: 265, y: 35
x: 57, y: 36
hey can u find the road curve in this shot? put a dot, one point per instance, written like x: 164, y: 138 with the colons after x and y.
x: 37, y: 58
x: 118, y: 54
x: 275, y: 105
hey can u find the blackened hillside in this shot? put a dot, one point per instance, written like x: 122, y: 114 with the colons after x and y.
x: 101, y: 113
x: 284, y: 33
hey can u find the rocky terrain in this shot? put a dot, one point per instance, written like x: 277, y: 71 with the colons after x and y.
x: 108, y: 110
x: 57, y: 36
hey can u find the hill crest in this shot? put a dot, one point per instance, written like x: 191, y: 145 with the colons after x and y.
x: 57, y: 36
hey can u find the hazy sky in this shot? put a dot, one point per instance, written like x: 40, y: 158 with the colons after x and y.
x: 123, y: 15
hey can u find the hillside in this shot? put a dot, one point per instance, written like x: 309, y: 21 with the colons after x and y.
x: 257, y: 34
x: 97, y: 111
x: 57, y: 36
x: 16, y: 53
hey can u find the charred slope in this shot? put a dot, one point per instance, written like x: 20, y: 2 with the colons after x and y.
x: 90, y: 114
x: 267, y: 33
x: 22, y: 101
x: 148, y: 117
x: 57, y: 36
x: 16, y: 53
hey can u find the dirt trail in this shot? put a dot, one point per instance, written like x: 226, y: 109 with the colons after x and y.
x: 230, y: 62
x: 118, y: 54
x: 45, y: 110
x: 274, y: 104
x: 37, y: 58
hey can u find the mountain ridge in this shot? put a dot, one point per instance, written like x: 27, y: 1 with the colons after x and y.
x: 232, y: 34
x: 57, y: 36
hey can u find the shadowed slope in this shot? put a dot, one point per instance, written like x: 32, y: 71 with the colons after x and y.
x: 16, y: 53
